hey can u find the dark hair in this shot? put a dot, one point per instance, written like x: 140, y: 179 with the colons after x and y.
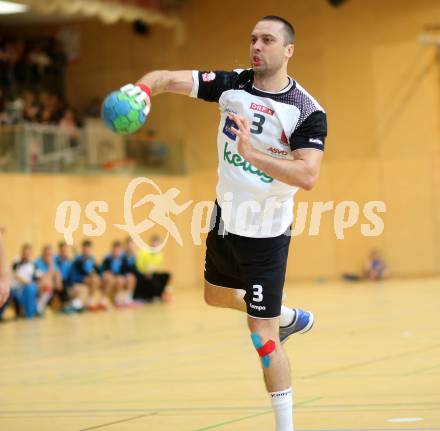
x: 86, y: 243
x: 116, y: 244
x: 288, y: 28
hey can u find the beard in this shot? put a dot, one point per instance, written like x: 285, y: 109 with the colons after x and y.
x: 260, y: 70
x: 264, y: 70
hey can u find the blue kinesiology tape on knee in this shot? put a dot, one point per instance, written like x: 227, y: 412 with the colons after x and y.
x: 264, y: 350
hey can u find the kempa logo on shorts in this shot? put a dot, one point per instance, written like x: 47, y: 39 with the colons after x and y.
x: 238, y: 161
x: 257, y: 307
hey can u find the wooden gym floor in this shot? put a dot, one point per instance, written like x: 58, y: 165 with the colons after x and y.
x: 371, y: 363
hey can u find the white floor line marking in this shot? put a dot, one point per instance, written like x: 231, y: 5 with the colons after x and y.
x: 400, y: 420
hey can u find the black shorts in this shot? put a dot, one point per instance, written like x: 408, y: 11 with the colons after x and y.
x: 256, y: 265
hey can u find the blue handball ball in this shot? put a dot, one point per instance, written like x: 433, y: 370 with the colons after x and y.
x: 122, y: 113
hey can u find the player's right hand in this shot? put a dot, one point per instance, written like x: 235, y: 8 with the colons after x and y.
x: 139, y: 95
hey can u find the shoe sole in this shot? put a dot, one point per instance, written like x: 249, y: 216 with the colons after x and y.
x: 306, y: 328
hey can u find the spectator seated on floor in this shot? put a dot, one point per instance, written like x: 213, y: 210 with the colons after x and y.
x: 151, y: 283
x: 24, y: 289
x: 129, y: 266
x: 48, y: 277
x: 71, y: 296
x: 113, y: 277
x: 375, y: 268
x: 85, y: 273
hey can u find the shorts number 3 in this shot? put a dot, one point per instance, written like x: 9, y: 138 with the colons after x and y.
x: 258, y: 292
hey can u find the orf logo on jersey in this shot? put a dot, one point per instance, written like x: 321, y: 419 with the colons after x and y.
x: 208, y: 77
x: 283, y: 139
x: 261, y: 108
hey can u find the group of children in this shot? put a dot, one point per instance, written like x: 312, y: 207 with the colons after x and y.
x: 123, y: 279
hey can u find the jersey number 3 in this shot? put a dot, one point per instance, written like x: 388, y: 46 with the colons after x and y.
x: 258, y: 124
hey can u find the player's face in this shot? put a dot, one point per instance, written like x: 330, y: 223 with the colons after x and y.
x: 269, y: 51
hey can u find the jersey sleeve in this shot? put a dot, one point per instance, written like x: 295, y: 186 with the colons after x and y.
x: 209, y: 86
x: 311, y: 133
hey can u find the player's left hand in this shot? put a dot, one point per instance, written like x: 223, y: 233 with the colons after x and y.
x: 243, y: 133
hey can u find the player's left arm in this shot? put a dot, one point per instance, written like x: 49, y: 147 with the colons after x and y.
x: 302, y: 171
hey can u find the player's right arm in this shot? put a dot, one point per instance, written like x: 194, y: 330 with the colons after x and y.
x: 204, y: 85
x: 165, y: 81
x: 157, y: 82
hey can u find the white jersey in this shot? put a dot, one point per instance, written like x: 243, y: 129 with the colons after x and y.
x: 253, y: 203
x: 25, y: 269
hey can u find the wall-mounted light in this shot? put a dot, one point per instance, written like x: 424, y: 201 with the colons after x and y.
x: 8, y: 7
